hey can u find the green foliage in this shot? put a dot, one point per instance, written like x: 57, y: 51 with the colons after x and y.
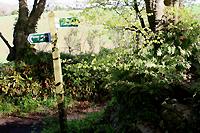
x: 172, y: 45
x: 141, y: 63
x: 87, y: 78
x: 14, y: 85
x: 185, y: 32
x: 21, y: 91
x: 7, y: 108
x: 113, y: 23
x: 15, y: 12
x: 132, y: 104
x: 85, y: 125
x: 146, y: 75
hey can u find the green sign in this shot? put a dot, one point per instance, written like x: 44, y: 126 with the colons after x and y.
x: 39, y: 37
x: 69, y: 22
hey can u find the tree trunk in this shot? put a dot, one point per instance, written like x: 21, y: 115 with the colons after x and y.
x: 25, y: 25
x: 19, y: 35
x: 150, y: 10
x: 155, y: 12
x: 159, y: 11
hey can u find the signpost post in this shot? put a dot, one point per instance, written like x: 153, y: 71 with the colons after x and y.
x: 57, y: 70
x: 52, y: 38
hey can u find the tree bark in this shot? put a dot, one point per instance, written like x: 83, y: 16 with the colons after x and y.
x: 38, y: 9
x: 138, y: 14
x: 26, y: 24
x: 150, y: 10
x: 155, y: 12
x: 19, y: 36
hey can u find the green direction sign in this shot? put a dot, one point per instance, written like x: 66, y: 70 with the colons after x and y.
x: 69, y: 22
x: 39, y: 37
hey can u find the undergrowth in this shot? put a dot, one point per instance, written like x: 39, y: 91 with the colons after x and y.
x: 84, y: 125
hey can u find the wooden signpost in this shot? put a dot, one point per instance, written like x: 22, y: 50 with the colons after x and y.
x: 57, y: 71
x: 52, y: 38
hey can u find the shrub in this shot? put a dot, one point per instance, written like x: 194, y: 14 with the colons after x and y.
x: 15, y: 12
x: 88, y: 77
x: 149, y: 86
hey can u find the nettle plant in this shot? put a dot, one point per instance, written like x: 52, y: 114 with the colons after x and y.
x: 182, y: 38
x: 87, y: 78
x: 164, y: 55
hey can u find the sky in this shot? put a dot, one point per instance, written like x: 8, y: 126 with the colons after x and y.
x: 60, y: 1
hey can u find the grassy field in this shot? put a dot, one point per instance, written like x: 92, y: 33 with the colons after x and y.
x: 81, y: 38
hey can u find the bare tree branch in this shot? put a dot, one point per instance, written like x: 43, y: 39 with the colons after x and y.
x: 34, y: 7
x: 136, y: 29
x: 5, y: 41
x: 139, y: 14
x: 38, y: 9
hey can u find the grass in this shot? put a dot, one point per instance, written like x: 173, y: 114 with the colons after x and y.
x: 26, y: 105
x: 85, y: 125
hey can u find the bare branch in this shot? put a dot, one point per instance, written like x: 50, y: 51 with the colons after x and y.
x: 35, y: 5
x: 5, y: 41
x: 34, y: 8
x: 136, y: 29
x: 38, y: 9
x: 139, y: 14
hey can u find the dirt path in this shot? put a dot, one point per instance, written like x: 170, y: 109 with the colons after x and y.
x: 20, y: 125
x: 33, y: 122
